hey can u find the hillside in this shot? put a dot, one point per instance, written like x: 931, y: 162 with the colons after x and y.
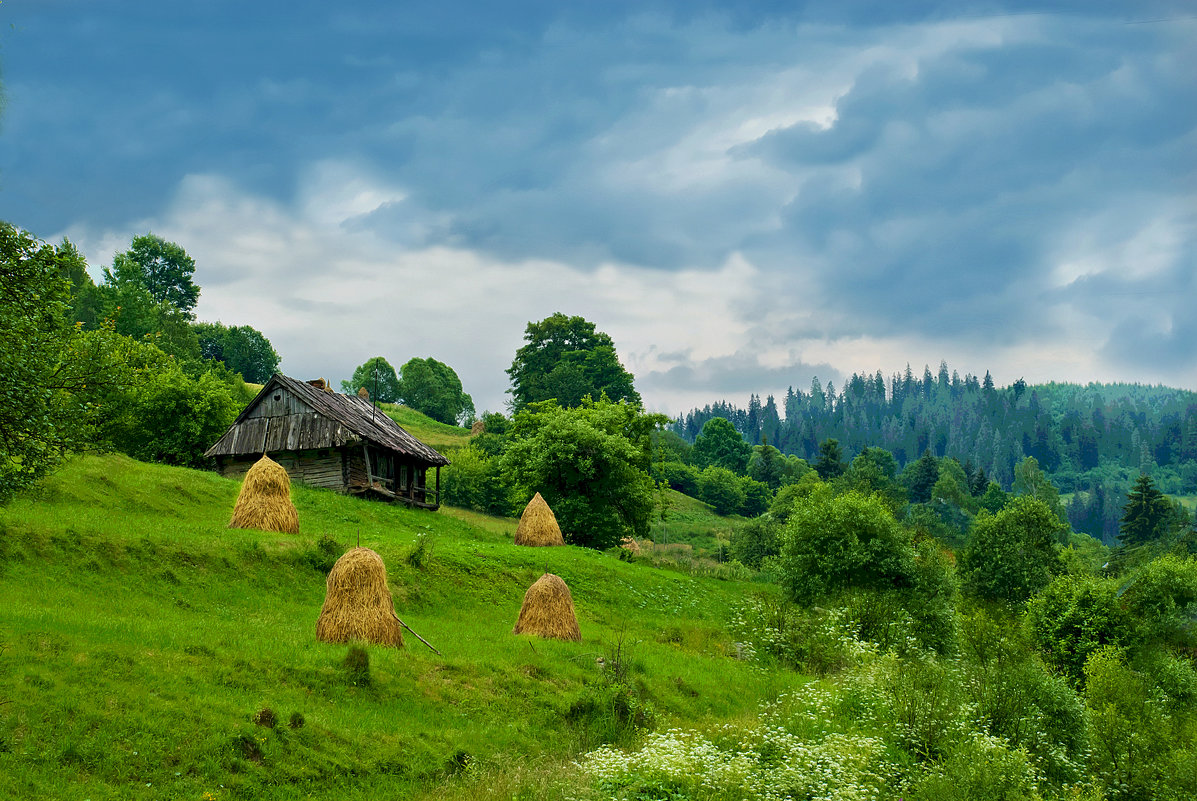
x: 140, y: 639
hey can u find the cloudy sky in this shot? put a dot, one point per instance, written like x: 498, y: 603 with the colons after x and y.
x: 743, y: 195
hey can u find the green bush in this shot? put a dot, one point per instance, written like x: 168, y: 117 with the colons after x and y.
x: 754, y: 541
x: 722, y: 489
x: 1074, y: 617
x: 476, y: 481
x: 1013, y: 554
x: 833, y: 543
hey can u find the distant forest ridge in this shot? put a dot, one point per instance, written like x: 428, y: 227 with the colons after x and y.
x: 1091, y: 438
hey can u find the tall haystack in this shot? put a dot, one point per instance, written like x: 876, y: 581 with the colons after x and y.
x: 363, y: 393
x: 538, y: 525
x: 264, y: 501
x: 548, y: 610
x: 358, y: 603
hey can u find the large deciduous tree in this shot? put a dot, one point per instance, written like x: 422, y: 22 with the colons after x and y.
x: 566, y: 359
x: 378, y: 377
x: 162, y: 268
x: 433, y: 388
x: 721, y: 445
x: 590, y: 463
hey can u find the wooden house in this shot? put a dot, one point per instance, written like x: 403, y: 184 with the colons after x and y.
x: 326, y: 439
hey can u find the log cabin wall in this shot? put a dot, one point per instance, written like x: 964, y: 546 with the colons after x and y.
x: 316, y: 468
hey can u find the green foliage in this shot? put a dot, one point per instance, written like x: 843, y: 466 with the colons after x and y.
x: 590, y: 463
x: 476, y: 480
x: 566, y: 359
x: 720, y: 445
x: 789, y: 496
x: 433, y: 388
x: 920, y: 477
x: 832, y: 543
x: 240, y: 348
x: 378, y: 377
x: 994, y: 499
x: 1013, y: 554
x: 830, y: 463
x: 1031, y: 481
x: 722, y: 489
x: 1141, y: 749
x: 767, y: 465
x: 162, y: 268
x: 174, y: 418
x: 755, y: 541
x: 757, y: 497
x: 1146, y: 514
x: 1162, y: 601
x: 58, y: 377
x: 1072, y: 618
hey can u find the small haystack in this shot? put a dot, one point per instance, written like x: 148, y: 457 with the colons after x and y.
x: 630, y: 545
x: 477, y: 428
x: 548, y: 610
x: 358, y: 603
x: 538, y: 525
x: 363, y: 393
x: 264, y: 501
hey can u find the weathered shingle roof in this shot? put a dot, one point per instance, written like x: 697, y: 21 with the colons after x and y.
x: 336, y: 420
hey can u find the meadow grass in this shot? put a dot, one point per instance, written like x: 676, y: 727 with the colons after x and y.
x: 140, y: 639
x: 433, y: 433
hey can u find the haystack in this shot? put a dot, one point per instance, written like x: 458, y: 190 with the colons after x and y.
x: 479, y: 427
x: 548, y: 610
x: 538, y: 525
x: 264, y: 501
x: 358, y: 603
x: 363, y: 393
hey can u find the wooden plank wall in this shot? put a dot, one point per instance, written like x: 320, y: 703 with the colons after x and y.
x: 306, y: 467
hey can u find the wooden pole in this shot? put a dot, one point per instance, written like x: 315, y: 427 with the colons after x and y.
x: 417, y: 636
x: 438, y: 485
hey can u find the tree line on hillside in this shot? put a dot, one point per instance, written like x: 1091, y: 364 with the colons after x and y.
x: 1092, y: 440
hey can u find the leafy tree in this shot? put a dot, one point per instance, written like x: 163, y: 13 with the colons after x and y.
x: 756, y: 497
x: 433, y: 388
x: 1146, y: 514
x: 1013, y: 554
x: 56, y: 375
x: 836, y: 542
x: 1030, y: 480
x: 721, y: 445
x: 566, y: 359
x: 162, y: 268
x: 241, y: 348
x: 722, y: 489
x: 378, y: 377
x: 590, y: 463
x: 995, y: 498
x: 830, y: 463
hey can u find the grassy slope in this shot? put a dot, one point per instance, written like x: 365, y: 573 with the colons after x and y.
x: 140, y: 637
x: 441, y: 436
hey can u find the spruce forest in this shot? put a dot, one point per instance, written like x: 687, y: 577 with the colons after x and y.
x: 1092, y: 440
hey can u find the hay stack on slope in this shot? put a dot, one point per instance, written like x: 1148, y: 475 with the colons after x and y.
x: 358, y: 603
x: 538, y: 525
x: 548, y: 610
x: 264, y: 501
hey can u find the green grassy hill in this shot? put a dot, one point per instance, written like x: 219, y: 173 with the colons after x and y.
x: 143, y: 646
